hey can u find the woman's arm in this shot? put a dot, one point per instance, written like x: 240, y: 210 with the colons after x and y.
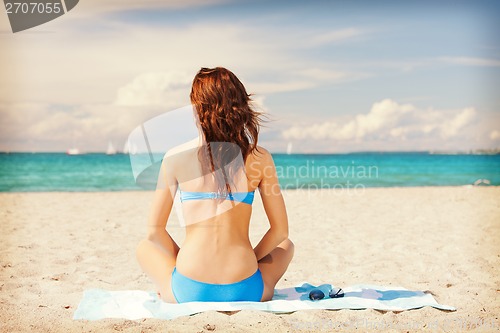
x: 162, y: 206
x: 274, y: 206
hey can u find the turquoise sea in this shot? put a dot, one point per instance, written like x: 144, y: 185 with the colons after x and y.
x: 34, y: 172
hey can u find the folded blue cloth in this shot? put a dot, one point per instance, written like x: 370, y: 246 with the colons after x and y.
x: 135, y: 304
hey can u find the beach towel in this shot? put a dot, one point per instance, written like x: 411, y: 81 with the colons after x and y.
x: 136, y: 304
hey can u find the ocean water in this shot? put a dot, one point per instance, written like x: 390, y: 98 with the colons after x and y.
x: 22, y: 172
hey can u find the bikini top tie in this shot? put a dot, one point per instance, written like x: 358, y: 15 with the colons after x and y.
x: 244, y: 197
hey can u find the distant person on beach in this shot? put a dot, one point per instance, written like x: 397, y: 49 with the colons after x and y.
x: 216, y: 178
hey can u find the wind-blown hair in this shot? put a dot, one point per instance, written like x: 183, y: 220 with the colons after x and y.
x: 225, y: 116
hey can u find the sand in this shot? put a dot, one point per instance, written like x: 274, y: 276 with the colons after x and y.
x: 53, y: 246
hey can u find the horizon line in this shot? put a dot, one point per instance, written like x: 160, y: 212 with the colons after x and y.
x: 437, y: 151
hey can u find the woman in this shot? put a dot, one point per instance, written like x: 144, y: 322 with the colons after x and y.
x: 216, y: 181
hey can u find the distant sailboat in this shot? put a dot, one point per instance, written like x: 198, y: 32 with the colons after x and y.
x: 130, y: 148
x: 289, y: 148
x: 111, y: 150
x: 482, y: 182
x: 73, y: 151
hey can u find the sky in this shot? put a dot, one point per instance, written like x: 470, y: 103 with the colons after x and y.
x: 330, y: 76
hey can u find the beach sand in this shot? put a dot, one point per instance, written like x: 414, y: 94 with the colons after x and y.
x: 442, y: 239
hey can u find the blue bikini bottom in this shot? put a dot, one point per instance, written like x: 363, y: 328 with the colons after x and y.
x: 189, y: 290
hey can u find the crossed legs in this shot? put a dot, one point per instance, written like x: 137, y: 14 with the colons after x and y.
x: 158, y: 264
x: 274, y: 265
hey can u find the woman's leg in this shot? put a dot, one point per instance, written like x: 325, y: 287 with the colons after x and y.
x: 274, y: 265
x: 158, y: 264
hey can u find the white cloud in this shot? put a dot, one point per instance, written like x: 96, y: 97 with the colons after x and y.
x: 33, y: 125
x: 258, y: 103
x: 167, y: 89
x: 306, y: 78
x: 452, y: 127
x: 43, y: 127
x: 409, y: 65
x: 387, y: 120
x: 270, y: 87
x: 111, y: 74
x: 49, y: 127
x: 333, y: 36
x: 88, y: 67
x: 494, y: 135
x: 118, y: 5
x: 98, y: 7
x: 470, y: 61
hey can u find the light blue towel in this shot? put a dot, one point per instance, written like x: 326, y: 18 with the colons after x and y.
x: 135, y: 304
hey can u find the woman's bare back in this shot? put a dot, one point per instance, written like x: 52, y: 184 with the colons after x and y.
x: 217, y: 247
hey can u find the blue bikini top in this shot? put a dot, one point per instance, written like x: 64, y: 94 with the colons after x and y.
x: 245, y: 197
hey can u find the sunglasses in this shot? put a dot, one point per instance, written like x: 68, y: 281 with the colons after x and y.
x: 317, y: 294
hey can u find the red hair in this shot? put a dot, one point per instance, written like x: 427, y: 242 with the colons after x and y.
x: 225, y: 116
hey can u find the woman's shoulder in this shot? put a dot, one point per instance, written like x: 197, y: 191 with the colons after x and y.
x: 182, y: 150
x: 180, y: 155
x: 261, y: 156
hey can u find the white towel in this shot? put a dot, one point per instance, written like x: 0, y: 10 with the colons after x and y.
x: 135, y: 304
